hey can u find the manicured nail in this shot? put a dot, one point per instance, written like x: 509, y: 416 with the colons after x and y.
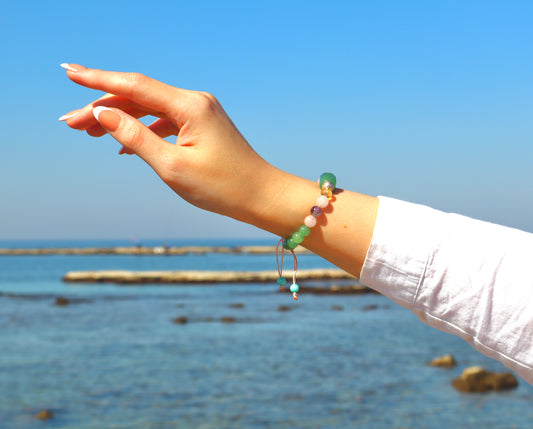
x: 67, y: 66
x: 67, y: 116
x: 99, y: 109
x: 122, y: 151
x: 110, y: 121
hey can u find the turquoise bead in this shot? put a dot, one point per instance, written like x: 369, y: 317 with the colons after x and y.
x: 297, y: 237
x: 328, y: 177
x: 304, y: 230
x: 281, y: 281
x: 295, y: 288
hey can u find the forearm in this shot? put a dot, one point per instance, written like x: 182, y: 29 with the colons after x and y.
x: 343, y: 232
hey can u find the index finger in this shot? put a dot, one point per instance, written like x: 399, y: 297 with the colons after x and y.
x: 145, y: 91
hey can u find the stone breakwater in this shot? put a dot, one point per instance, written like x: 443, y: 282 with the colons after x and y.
x: 145, y: 250
x: 173, y: 277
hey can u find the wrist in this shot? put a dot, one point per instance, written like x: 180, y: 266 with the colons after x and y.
x: 281, y: 202
x: 278, y: 202
x: 342, y: 234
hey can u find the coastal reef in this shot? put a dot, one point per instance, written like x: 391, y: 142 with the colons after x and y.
x: 170, y: 277
x: 146, y: 250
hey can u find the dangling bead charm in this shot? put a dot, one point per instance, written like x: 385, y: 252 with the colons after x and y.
x: 281, y: 283
x: 294, y: 289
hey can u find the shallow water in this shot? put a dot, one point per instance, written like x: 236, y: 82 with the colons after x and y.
x: 114, y: 358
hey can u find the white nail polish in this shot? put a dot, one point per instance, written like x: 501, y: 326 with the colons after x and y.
x: 99, y: 109
x: 65, y: 117
x: 67, y: 66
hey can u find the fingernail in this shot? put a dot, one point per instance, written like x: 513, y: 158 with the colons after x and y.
x: 110, y: 121
x: 122, y: 151
x: 67, y: 116
x: 99, y: 109
x: 67, y: 66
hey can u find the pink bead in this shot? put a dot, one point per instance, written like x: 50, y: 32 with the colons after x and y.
x: 310, y: 221
x: 322, y: 201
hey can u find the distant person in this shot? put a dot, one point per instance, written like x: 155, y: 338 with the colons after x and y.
x: 460, y: 275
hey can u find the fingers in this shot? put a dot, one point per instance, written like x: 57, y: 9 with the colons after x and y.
x: 163, y: 128
x: 133, y: 135
x: 83, y: 119
x: 146, y: 92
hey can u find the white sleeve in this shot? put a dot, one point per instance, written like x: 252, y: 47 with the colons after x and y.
x: 459, y: 275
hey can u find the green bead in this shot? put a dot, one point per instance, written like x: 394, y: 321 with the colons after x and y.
x: 297, y: 237
x: 294, y: 288
x: 281, y: 281
x: 291, y: 245
x: 304, y: 230
x: 328, y: 177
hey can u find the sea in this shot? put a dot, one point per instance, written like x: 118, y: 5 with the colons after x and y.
x: 244, y: 356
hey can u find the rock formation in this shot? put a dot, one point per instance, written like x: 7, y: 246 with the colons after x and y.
x: 478, y: 379
x: 446, y: 361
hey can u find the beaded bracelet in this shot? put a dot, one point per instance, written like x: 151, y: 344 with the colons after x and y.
x: 327, y: 184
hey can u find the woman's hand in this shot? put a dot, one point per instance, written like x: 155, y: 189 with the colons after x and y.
x: 211, y: 165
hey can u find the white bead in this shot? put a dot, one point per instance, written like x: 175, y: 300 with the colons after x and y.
x: 310, y: 221
x: 322, y: 201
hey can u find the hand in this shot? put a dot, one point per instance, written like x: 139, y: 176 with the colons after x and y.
x: 211, y: 165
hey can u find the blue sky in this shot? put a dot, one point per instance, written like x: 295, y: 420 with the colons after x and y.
x: 430, y: 102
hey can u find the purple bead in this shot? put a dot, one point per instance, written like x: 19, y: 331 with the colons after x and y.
x: 316, y: 211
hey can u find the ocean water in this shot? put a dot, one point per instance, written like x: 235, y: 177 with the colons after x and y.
x: 113, y: 358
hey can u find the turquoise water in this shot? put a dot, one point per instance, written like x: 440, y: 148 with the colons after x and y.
x: 113, y: 358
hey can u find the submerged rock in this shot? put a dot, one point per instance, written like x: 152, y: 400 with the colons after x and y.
x: 227, y: 319
x: 237, y: 305
x: 181, y: 320
x: 44, y: 415
x: 351, y: 289
x: 478, y: 379
x: 370, y: 307
x: 446, y: 361
x: 61, y: 301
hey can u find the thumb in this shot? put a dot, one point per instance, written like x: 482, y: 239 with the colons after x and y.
x: 134, y: 136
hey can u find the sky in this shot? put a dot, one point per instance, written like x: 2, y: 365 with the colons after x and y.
x: 429, y: 102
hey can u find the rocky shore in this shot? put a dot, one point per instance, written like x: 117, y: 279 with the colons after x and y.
x: 145, y: 250
x: 173, y: 277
